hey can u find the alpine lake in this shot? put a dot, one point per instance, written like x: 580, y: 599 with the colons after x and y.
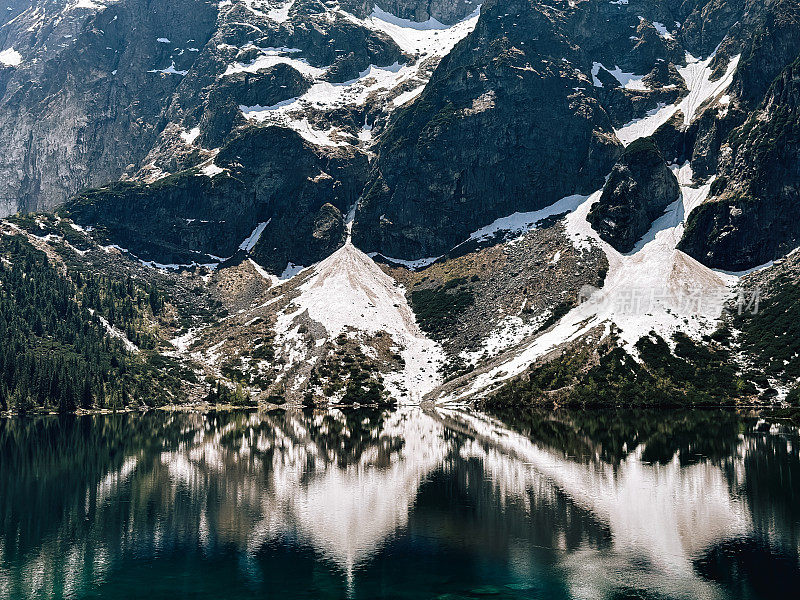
x: 422, y: 503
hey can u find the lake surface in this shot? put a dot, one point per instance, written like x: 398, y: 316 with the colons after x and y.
x: 438, y: 504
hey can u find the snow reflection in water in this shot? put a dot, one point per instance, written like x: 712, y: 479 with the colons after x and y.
x: 568, y: 508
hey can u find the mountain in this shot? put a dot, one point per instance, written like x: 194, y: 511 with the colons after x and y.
x: 413, y: 200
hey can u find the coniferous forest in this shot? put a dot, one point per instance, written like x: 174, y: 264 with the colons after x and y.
x: 73, y: 339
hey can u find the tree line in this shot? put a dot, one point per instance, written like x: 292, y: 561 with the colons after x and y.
x: 55, y: 351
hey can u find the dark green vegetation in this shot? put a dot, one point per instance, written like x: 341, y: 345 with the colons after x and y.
x: 223, y: 395
x: 773, y: 333
x: 58, y: 352
x: 350, y: 375
x: 438, y: 309
x: 691, y: 374
x: 695, y: 435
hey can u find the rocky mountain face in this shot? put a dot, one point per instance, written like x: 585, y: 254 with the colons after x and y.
x: 83, y: 89
x: 95, y: 91
x: 246, y: 200
x: 443, y: 11
x: 637, y: 192
x: 753, y: 214
x: 536, y: 85
x: 274, y: 150
x: 480, y: 141
x: 753, y: 217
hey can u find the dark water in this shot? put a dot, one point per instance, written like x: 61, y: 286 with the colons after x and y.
x: 409, y: 504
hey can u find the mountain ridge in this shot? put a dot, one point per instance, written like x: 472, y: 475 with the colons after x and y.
x: 522, y: 174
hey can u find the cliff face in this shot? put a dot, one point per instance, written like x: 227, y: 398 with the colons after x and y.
x: 281, y: 207
x: 751, y: 145
x: 463, y: 119
x: 444, y: 11
x: 754, y: 216
x: 79, y: 102
x: 637, y: 192
x: 489, y: 136
x: 93, y: 92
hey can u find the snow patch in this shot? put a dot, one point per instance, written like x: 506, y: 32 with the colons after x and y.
x: 10, y: 57
x: 170, y: 70
x: 272, y: 57
x: 212, y: 170
x: 87, y: 4
x: 252, y: 240
x: 420, y: 263
x: 426, y: 39
x: 697, y: 75
x: 662, y: 30
x: 630, y: 81
x: 519, y: 223
x: 281, y: 15
x: 653, y: 288
x: 190, y: 136
x: 290, y: 271
x: 116, y: 333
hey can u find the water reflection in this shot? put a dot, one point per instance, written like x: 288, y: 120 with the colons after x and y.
x: 405, y: 504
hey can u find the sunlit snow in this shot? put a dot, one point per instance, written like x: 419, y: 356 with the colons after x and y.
x: 349, y: 292
x: 697, y: 74
x: 10, y: 57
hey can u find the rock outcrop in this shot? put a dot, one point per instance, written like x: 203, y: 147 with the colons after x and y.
x: 637, y: 192
x: 294, y: 201
x: 444, y: 11
x: 91, y: 93
x: 83, y: 91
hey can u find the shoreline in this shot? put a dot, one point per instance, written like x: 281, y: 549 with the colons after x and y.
x: 778, y: 412
x: 192, y: 407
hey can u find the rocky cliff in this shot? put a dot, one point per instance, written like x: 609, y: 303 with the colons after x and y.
x: 281, y: 207
x: 83, y: 89
x: 754, y: 216
x: 489, y: 135
x: 748, y: 142
x: 637, y: 192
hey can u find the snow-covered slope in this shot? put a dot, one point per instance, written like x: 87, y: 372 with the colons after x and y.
x: 702, y: 87
x: 349, y: 293
x: 424, y: 41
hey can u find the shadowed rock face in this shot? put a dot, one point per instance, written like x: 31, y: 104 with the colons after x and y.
x: 518, y: 115
x: 492, y: 134
x: 444, y: 11
x: 755, y: 214
x: 639, y: 189
x: 300, y: 193
x: 267, y: 87
x: 101, y: 90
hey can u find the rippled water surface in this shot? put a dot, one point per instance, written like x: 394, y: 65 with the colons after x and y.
x: 407, y: 504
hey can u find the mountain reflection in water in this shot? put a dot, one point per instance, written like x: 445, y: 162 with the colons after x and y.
x: 414, y: 503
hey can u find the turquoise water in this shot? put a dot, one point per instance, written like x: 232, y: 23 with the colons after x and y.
x: 407, y: 504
